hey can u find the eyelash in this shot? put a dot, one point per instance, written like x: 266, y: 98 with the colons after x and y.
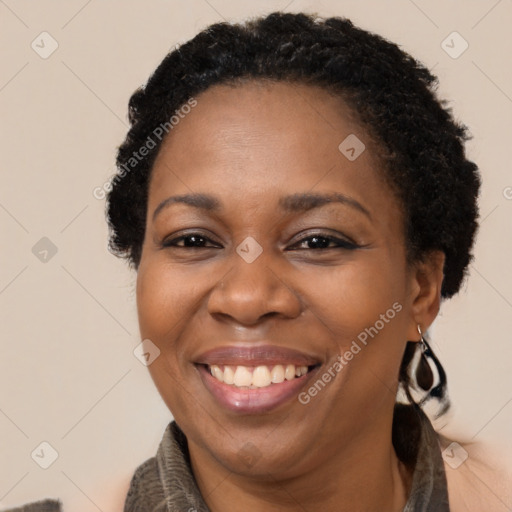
x: 341, y: 244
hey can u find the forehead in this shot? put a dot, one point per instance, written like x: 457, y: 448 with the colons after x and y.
x: 262, y: 137
x: 264, y: 112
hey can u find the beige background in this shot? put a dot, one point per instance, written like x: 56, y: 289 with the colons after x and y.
x: 68, y: 325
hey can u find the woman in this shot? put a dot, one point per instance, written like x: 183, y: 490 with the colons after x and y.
x: 296, y: 202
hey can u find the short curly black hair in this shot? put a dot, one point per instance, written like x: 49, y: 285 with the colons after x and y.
x: 393, y: 95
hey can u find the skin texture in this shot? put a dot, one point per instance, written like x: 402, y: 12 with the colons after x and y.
x: 248, y: 146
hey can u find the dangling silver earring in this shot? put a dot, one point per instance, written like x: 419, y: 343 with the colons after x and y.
x: 424, y: 374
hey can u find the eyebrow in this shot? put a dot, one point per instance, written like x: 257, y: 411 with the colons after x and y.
x: 202, y: 201
x: 309, y: 200
x: 293, y: 203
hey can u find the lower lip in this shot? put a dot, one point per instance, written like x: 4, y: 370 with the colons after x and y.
x: 253, y: 401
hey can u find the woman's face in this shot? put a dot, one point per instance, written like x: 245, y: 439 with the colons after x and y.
x: 269, y: 245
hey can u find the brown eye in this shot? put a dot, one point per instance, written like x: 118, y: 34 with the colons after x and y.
x: 323, y: 241
x: 192, y: 240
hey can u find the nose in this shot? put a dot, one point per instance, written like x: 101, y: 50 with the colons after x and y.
x: 250, y: 292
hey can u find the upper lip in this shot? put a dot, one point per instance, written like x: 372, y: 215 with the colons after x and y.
x: 255, y: 355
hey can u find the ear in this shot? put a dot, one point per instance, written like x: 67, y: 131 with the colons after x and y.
x: 425, y: 299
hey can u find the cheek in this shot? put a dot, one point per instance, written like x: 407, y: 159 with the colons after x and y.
x: 362, y: 306
x: 165, y: 299
x: 349, y: 298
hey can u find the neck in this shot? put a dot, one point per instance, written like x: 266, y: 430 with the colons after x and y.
x: 366, y: 474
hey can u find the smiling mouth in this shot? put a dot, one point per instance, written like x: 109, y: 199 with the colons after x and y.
x: 256, y: 389
x: 256, y: 377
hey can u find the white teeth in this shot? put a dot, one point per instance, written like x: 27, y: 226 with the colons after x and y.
x: 277, y: 374
x: 243, y: 377
x: 257, y: 377
x: 229, y: 375
x: 217, y: 373
x: 261, y: 377
x: 289, y: 373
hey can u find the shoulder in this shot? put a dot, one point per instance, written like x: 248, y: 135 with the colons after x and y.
x: 47, y: 505
x: 478, y: 477
x: 146, y: 492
